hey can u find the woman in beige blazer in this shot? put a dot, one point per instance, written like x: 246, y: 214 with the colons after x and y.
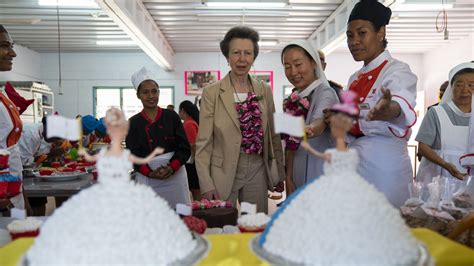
x: 236, y: 146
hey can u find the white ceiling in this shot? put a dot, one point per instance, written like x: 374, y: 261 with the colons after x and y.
x: 191, y: 26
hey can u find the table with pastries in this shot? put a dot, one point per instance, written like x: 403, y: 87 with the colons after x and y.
x: 38, y: 187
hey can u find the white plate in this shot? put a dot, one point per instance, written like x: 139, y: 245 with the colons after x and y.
x: 60, y: 176
x: 423, y: 260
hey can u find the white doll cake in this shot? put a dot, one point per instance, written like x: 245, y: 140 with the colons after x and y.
x: 113, y: 222
x: 340, y: 219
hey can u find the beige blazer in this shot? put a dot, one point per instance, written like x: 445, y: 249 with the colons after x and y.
x: 219, y: 137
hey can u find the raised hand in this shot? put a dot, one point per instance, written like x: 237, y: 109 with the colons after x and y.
x: 385, y: 109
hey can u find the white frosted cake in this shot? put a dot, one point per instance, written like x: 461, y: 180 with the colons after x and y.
x: 253, y: 222
x: 340, y: 219
x: 113, y: 222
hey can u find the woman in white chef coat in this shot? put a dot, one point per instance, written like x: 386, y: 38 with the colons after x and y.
x: 386, y: 90
x: 11, y: 106
x: 443, y: 135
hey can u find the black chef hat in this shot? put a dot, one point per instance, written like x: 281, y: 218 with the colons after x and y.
x: 371, y: 10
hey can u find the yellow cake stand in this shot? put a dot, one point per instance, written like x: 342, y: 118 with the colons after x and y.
x: 235, y: 250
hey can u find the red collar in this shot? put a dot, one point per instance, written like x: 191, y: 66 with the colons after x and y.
x: 158, y: 115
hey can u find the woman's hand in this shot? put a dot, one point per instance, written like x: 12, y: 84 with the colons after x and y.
x: 309, y: 130
x: 327, y: 116
x: 451, y: 168
x: 162, y: 172
x: 211, y: 195
x: 385, y: 109
x: 280, y: 187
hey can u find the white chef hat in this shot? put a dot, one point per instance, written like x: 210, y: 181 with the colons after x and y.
x: 140, y: 76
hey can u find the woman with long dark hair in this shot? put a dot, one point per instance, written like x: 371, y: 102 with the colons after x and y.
x: 190, y: 115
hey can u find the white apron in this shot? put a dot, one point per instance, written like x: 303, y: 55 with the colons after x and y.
x: 383, y: 158
x: 384, y: 162
x: 453, y: 145
x: 173, y: 189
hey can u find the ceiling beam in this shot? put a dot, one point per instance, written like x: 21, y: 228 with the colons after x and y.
x: 135, y: 20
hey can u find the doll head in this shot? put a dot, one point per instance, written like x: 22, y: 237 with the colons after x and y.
x: 116, y: 124
x: 345, y: 113
x: 347, y: 105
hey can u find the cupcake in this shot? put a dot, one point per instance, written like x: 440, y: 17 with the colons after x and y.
x: 253, y: 223
x: 24, y: 228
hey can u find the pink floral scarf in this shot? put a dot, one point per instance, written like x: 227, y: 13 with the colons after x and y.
x: 250, y: 118
x: 295, y: 106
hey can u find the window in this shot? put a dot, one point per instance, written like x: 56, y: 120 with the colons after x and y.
x: 126, y: 99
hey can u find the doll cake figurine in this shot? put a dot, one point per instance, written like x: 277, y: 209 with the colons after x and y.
x: 116, y: 162
x: 114, y: 222
x: 341, y: 218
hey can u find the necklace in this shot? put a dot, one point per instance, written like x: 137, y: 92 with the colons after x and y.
x: 235, y: 91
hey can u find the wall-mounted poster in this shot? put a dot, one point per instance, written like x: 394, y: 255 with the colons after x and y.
x: 266, y: 76
x: 287, y: 89
x: 195, y: 81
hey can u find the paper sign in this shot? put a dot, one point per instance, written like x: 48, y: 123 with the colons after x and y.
x: 18, y: 213
x: 62, y: 127
x: 288, y: 124
x: 184, y: 209
x: 160, y: 160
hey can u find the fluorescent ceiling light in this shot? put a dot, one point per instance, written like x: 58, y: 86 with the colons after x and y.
x: 113, y: 37
x: 246, y: 13
x: 246, y: 4
x: 13, y: 21
x: 116, y: 42
x: 420, y: 6
x: 267, y: 43
x: 83, y: 3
